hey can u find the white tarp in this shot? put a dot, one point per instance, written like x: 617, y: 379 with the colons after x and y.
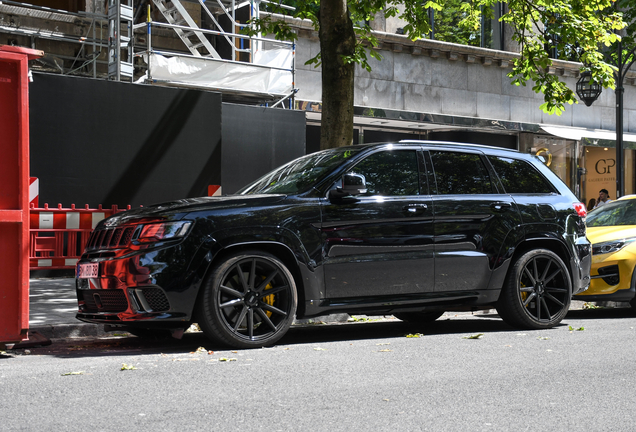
x: 228, y: 75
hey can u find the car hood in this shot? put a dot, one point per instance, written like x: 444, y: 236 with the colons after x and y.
x: 176, y: 210
x: 609, y: 233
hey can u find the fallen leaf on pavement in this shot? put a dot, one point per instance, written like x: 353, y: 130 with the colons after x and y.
x: 477, y: 336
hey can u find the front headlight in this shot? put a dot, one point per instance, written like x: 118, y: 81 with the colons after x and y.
x: 610, y: 246
x: 155, y: 232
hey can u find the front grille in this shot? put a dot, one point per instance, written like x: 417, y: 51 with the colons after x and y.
x: 110, y: 238
x: 156, y: 299
x: 103, y: 300
x: 610, y: 274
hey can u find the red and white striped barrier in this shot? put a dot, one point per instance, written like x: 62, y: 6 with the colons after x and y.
x: 214, y: 190
x: 59, y: 235
x: 34, y: 191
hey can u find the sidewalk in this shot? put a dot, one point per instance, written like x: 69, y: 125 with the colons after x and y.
x: 52, y: 309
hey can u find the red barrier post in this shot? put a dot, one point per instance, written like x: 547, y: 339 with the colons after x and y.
x: 14, y: 196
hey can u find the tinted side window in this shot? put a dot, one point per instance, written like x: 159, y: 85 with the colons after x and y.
x: 460, y: 173
x: 391, y: 173
x: 518, y: 176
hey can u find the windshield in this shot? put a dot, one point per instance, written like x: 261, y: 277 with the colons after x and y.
x: 301, y: 174
x: 621, y: 212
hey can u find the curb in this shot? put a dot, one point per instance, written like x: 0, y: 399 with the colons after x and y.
x: 69, y: 331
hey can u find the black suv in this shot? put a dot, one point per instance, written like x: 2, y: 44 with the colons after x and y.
x: 411, y: 229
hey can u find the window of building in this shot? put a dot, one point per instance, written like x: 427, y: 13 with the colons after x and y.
x: 446, y: 26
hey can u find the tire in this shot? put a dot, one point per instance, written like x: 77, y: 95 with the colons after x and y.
x: 419, y: 317
x: 248, y: 301
x: 537, y: 291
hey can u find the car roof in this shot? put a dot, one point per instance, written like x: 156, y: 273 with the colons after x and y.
x: 627, y: 197
x: 449, y: 144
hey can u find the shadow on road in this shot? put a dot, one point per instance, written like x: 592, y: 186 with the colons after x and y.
x: 601, y: 313
x: 308, y: 334
x: 297, y: 335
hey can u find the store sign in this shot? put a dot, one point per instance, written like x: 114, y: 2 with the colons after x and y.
x: 600, y: 167
x: 605, y: 166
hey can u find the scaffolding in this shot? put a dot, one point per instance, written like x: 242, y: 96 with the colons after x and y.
x: 164, y: 42
x: 255, y: 66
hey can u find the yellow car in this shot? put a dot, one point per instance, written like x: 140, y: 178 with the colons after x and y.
x: 612, y: 231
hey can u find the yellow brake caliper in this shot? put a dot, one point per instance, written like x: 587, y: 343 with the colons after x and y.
x: 524, y: 294
x: 268, y: 299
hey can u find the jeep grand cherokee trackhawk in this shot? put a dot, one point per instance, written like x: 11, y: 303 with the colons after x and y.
x: 411, y: 229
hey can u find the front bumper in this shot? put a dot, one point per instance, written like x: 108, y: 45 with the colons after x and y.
x: 146, y: 287
x: 612, y: 278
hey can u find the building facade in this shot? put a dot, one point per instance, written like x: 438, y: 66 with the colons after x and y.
x: 425, y: 89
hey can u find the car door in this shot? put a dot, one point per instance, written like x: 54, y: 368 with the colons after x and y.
x: 381, y: 242
x: 472, y: 219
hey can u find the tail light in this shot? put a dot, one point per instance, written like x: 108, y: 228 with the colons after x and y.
x: 580, y: 208
x: 155, y: 232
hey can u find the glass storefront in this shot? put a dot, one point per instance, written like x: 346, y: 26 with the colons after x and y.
x: 599, y: 160
x: 561, y: 155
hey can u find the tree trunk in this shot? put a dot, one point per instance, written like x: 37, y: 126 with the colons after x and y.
x: 337, y: 39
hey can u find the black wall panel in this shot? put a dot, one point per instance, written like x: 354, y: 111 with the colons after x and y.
x: 99, y: 142
x: 256, y: 140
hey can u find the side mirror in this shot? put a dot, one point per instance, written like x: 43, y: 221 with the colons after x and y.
x: 352, y: 184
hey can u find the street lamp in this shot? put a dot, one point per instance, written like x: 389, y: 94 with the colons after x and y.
x: 587, y: 89
x: 588, y: 92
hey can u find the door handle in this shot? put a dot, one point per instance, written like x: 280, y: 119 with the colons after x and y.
x: 500, y: 206
x: 414, y: 208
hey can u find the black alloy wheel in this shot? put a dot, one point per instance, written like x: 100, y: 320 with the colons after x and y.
x: 537, y: 291
x: 249, y: 301
x: 419, y: 317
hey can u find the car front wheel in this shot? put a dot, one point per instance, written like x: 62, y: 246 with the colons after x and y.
x: 249, y: 301
x: 537, y: 291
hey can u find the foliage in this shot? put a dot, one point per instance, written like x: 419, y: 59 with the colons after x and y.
x: 458, y: 23
x: 582, y: 30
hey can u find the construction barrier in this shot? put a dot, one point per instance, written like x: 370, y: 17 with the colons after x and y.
x: 59, y: 235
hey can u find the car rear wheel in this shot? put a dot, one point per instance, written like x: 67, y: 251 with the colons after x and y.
x: 537, y: 291
x: 249, y: 300
x: 419, y: 317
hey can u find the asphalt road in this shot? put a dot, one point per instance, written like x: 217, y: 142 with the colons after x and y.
x: 579, y: 376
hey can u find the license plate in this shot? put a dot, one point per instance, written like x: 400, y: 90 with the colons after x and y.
x: 87, y: 271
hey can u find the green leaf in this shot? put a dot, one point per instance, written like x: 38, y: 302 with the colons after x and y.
x: 414, y: 335
x: 476, y: 336
x: 125, y: 366
x: 73, y: 373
